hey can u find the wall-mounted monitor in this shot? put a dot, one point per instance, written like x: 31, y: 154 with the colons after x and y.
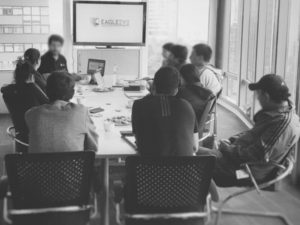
x: 109, y: 23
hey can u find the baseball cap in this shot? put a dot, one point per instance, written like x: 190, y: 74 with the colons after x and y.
x: 274, y: 85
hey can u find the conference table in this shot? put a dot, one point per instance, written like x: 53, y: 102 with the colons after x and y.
x: 115, y: 103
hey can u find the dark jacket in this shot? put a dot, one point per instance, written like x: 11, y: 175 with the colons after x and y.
x: 197, y: 96
x: 49, y: 64
x: 270, y: 139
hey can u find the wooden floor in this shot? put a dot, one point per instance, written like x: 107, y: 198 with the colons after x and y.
x: 286, y: 201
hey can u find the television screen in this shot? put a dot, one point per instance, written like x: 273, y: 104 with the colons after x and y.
x: 109, y: 23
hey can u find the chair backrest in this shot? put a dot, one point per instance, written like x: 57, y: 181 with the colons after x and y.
x: 49, y: 179
x: 167, y: 184
x: 13, y: 103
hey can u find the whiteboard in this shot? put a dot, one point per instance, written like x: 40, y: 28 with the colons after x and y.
x: 123, y: 62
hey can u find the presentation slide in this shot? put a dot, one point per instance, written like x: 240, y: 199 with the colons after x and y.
x: 109, y: 23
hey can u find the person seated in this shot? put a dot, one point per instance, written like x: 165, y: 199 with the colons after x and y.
x: 209, y: 77
x: 192, y: 90
x: 275, y: 131
x: 53, y: 60
x: 178, y: 56
x: 60, y: 125
x: 166, y: 52
x: 33, y: 56
x: 23, y: 94
x: 163, y: 124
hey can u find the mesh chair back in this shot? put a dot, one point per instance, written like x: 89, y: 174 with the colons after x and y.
x: 50, y: 179
x: 168, y: 184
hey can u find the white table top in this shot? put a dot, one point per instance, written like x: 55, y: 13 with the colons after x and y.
x: 114, y: 103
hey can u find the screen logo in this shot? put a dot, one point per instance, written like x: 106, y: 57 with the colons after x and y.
x: 111, y: 22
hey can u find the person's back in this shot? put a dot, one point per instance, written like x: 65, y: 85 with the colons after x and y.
x: 193, y: 91
x: 21, y: 96
x: 164, y: 126
x: 60, y: 125
x: 209, y: 79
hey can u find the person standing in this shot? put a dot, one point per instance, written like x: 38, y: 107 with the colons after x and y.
x: 53, y: 60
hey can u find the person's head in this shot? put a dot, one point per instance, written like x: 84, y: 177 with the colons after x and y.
x: 60, y: 86
x: 271, y: 91
x: 189, y: 74
x: 178, y: 55
x: 33, y: 56
x: 55, y: 44
x: 166, y: 50
x: 166, y: 81
x: 24, y: 72
x: 201, y: 54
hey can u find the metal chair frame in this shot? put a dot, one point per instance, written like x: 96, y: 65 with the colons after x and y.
x: 65, y: 209
x: 287, y: 169
x: 206, y: 214
x: 212, y: 122
x: 12, y: 135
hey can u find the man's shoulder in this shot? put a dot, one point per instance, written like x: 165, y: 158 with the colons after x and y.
x: 144, y: 100
x: 46, y: 55
x: 35, y: 110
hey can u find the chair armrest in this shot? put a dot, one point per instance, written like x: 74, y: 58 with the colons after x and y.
x: 48, y: 210
x: 10, y: 133
x: 279, y: 166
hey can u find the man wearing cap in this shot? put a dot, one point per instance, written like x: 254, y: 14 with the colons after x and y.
x: 276, y: 129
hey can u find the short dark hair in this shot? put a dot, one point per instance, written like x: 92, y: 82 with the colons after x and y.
x: 55, y: 37
x: 190, y: 73
x: 166, y: 80
x: 203, y: 50
x: 32, y: 55
x: 60, y: 86
x: 180, y: 52
x: 168, y: 46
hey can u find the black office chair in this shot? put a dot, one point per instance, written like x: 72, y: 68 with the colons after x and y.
x: 168, y: 190
x: 49, y: 188
x: 18, y: 132
x: 280, y: 171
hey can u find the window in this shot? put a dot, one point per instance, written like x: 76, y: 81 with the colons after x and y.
x: 270, y: 39
x: 175, y: 21
x: 235, y: 36
x: 30, y: 20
